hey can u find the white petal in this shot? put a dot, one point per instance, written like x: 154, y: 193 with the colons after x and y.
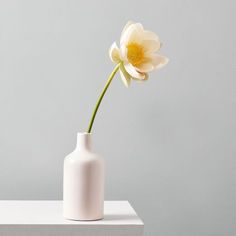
x: 132, y: 34
x: 145, y: 67
x: 149, y: 35
x: 158, y: 61
x: 145, y: 78
x: 133, y: 72
x: 123, y: 52
x: 151, y: 46
x: 125, y: 77
x: 114, y: 53
x: 126, y: 26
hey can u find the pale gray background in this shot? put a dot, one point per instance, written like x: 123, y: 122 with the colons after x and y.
x: 169, y: 143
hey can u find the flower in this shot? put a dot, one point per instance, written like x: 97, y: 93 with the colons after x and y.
x: 137, y: 53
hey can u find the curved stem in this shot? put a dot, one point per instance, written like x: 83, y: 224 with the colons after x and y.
x: 101, y: 97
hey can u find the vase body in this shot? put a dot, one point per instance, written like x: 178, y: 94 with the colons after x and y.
x: 83, y: 182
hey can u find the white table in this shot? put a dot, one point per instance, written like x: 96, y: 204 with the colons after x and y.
x: 44, y: 218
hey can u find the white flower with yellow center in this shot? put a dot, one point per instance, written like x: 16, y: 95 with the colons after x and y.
x: 137, y: 53
x: 135, y: 58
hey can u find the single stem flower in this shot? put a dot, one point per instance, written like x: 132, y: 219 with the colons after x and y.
x: 135, y: 58
x: 113, y: 73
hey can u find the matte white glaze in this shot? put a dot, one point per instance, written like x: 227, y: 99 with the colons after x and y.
x: 83, y: 182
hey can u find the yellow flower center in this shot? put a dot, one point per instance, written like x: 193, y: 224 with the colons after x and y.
x: 135, y: 53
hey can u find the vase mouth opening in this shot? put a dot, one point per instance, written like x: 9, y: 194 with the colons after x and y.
x: 83, y: 141
x: 83, y: 133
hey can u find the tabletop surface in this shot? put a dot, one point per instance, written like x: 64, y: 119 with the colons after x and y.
x: 50, y: 213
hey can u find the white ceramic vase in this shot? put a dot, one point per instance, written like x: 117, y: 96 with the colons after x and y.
x: 83, y: 182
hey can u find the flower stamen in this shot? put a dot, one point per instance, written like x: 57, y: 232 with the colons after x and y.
x: 135, y: 53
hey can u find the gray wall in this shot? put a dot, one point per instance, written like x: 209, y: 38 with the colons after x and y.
x: 169, y: 143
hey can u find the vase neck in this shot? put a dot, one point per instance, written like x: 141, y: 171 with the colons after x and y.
x: 83, y: 141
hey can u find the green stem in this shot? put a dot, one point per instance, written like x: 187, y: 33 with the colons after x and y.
x: 101, y: 97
